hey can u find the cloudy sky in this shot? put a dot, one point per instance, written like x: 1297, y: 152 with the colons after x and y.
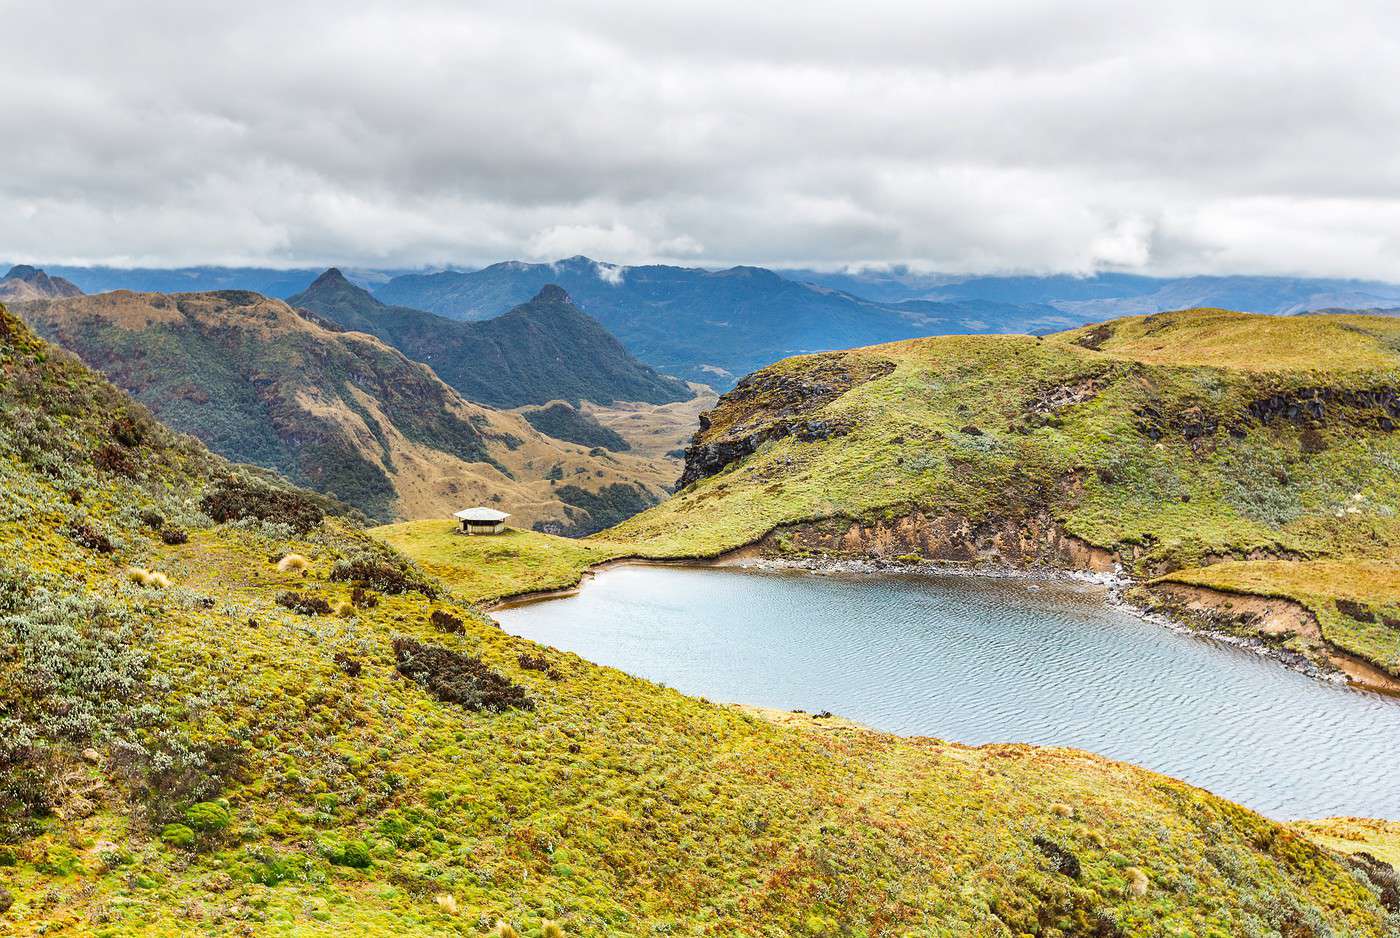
x: 1197, y: 136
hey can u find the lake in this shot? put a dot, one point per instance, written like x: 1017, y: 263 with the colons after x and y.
x: 981, y: 659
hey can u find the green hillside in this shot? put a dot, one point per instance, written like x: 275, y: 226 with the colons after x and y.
x: 1167, y: 444
x: 269, y: 724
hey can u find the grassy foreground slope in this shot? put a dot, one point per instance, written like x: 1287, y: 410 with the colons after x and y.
x: 235, y: 741
x: 1166, y: 442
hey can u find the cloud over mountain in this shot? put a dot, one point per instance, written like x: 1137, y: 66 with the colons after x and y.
x: 1190, y: 137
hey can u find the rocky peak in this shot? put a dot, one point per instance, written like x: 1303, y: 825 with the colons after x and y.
x: 552, y: 293
x: 24, y: 282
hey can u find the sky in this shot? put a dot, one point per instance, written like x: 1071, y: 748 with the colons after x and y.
x: 1223, y: 137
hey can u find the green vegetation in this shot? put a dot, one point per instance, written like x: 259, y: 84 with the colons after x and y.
x: 1168, y: 442
x: 482, y: 569
x: 199, y: 758
x: 563, y: 422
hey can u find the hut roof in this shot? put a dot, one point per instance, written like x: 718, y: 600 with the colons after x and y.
x: 482, y: 514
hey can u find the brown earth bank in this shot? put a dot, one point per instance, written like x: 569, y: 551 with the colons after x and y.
x: 1283, y: 625
x: 1024, y: 543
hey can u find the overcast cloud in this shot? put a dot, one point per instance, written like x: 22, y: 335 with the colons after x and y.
x: 1231, y: 136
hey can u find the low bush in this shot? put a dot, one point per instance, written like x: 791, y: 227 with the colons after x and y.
x: 235, y: 499
x: 177, y: 835
x: 351, y: 666
x: 174, y: 536
x: 207, y: 817
x: 88, y: 535
x: 445, y: 621
x: 541, y: 664
x: 384, y: 571
x: 303, y: 604
x: 453, y: 677
x: 112, y: 458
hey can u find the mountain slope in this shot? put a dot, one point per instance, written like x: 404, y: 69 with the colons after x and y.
x: 238, y: 746
x: 705, y: 325
x: 1163, y: 443
x: 539, y: 351
x: 29, y: 283
x: 338, y: 411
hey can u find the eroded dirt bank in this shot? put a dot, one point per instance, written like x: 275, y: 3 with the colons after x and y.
x: 1286, y: 626
x: 1034, y: 542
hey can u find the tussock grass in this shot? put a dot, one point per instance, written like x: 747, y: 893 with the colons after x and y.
x: 293, y: 563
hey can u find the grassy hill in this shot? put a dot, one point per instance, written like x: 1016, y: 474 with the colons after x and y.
x: 1249, y: 454
x: 277, y: 726
x: 542, y: 350
x: 338, y: 411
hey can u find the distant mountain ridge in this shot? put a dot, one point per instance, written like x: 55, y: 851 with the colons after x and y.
x: 542, y: 350
x: 706, y: 325
x: 29, y: 283
x: 1111, y: 294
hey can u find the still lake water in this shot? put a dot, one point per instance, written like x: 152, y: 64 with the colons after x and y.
x: 981, y: 660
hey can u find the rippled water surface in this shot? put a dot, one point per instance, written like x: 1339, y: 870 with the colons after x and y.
x: 992, y: 660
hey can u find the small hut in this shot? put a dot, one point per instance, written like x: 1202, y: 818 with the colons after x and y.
x: 482, y: 520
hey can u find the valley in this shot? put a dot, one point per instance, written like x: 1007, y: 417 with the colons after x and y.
x: 341, y: 412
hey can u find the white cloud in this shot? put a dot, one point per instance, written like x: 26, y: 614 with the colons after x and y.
x: 1197, y: 136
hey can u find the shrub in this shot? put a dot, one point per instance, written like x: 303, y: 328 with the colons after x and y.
x: 1060, y: 857
x: 177, y: 835
x: 541, y: 664
x: 236, y: 498
x: 152, y: 519
x: 293, y: 563
x: 93, y: 538
x: 453, y: 677
x: 445, y: 621
x: 355, y: 854
x: 303, y: 604
x: 112, y: 458
x: 362, y: 598
x: 387, y: 572
x: 128, y: 431
x: 270, y: 869
x: 207, y: 817
x: 351, y: 666
x: 173, y: 536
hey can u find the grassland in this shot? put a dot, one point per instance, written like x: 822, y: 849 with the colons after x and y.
x: 198, y: 756
x: 484, y: 569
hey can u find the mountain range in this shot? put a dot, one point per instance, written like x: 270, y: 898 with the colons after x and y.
x: 708, y: 325
x: 716, y: 325
x: 542, y: 350
x: 338, y: 411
